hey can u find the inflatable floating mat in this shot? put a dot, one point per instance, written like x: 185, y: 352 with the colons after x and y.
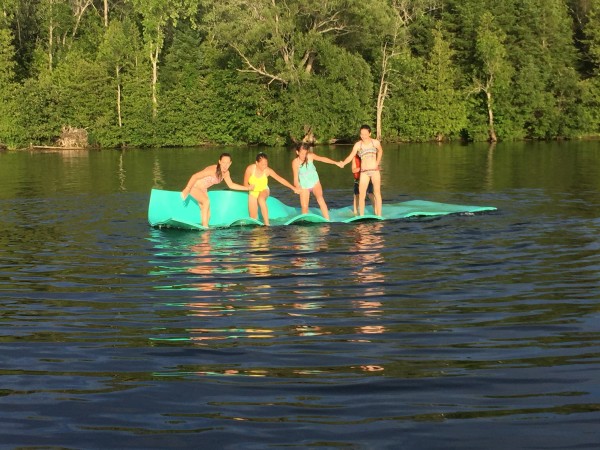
x: 230, y: 208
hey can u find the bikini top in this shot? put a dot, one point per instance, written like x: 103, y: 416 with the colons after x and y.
x: 208, y: 181
x: 368, y: 151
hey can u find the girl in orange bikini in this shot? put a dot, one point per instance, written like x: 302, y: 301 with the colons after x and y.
x: 256, y: 179
x: 370, y: 152
x: 199, y: 183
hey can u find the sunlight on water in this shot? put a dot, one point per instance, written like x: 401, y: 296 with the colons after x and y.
x: 467, y: 331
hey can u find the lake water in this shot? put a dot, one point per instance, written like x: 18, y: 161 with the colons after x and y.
x: 467, y: 331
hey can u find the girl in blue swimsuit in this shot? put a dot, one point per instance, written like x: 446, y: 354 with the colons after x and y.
x: 306, y: 178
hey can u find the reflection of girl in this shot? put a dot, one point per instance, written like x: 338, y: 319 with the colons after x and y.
x: 368, y: 258
x: 256, y: 179
x: 306, y: 177
x: 199, y: 183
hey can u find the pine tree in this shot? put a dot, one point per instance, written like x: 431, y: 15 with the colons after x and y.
x: 493, y: 71
x: 8, y: 105
x: 445, y: 115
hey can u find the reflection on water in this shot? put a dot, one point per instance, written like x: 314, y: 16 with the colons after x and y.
x: 307, y: 242
x: 207, y: 262
x: 368, y: 248
x: 259, y: 262
x: 471, y: 332
x: 122, y: 172
x: 218, y: 271
x: 158, y: 181
x: 489, y: 171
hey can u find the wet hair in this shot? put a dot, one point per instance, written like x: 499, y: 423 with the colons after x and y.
x: 366, y: 127
x: 261, y: 156
x: 219, y: 172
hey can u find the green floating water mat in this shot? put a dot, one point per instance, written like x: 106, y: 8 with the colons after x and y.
x: 230, y: 208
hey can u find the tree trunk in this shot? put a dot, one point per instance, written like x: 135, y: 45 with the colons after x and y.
x: 383, y: 89
x: 50, y: 39
x: 309, y: 136
x: 106, y: 13
x: 119, y: 97
x: 492, y: 131
x: 154, y: 60
x: 309, y: 63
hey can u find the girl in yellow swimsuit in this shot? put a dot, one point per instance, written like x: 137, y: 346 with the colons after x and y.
x: 257, y: 177
x: 199, y: 183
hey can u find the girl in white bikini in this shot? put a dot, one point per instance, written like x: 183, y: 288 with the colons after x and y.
x: 370, y: 152
x: 199, y: 183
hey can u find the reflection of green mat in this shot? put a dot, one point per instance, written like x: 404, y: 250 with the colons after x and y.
x: 230, y: 208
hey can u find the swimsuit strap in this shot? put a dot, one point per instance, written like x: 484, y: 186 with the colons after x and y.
x: 370, y: 142
x: 264, y: 174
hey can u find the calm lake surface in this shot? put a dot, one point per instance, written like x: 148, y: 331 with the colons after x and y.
x: 468, y: 331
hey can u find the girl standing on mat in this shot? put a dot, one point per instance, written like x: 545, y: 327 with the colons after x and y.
x: 370, y: 152
x: 306, y: 178
x: 256, y: 179
x: 199, y: 183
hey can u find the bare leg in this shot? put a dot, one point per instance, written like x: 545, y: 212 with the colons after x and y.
x: 318, y: 191
x: 206, y: 217
x: 304, y: 199
x: 202, y: 198
x: 377, y: 204
x: 362, y: 193
x: 252, y: 206
x: 355, y: 204
x: 262, y: 202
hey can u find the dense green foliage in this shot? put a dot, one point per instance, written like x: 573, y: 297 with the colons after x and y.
x: 191, y: 72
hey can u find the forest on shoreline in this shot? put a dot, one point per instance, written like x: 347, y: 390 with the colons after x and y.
x: 166, y: 73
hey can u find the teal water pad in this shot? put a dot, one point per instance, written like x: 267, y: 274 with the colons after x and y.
x: 230, y: 209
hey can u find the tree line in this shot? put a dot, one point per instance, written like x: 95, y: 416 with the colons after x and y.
x: 193, y: 72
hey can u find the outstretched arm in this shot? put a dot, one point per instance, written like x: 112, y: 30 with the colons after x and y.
x: 326, y: 160
x: 351, y: 155
x: 282, y: 180
x: 235, y: 186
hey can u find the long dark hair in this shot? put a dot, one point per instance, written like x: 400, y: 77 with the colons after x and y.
x: 219, y: 172
x: 303, y: 146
